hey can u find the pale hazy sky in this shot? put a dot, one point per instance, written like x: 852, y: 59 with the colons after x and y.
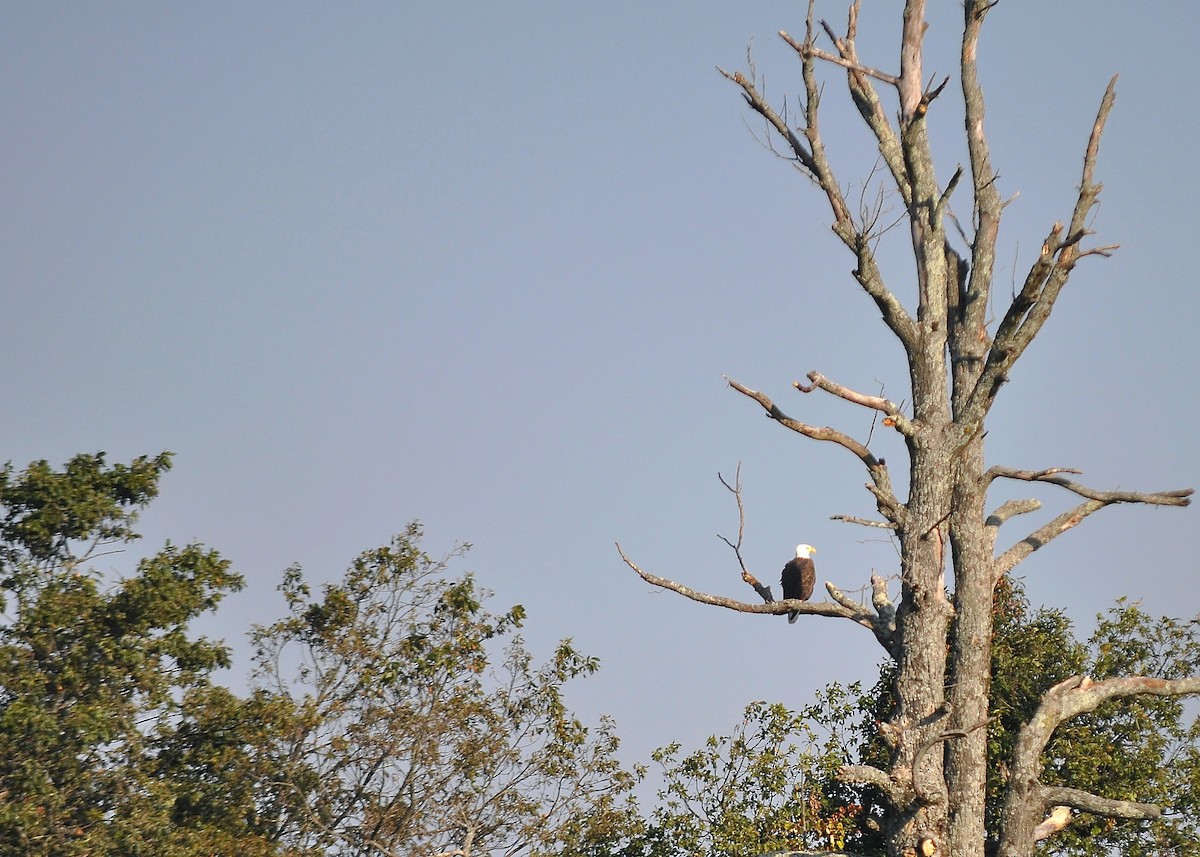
x: 484, y: 264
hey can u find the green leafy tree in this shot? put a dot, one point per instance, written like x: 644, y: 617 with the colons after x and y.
x: 94, y: 674
x: 768, y: 786
x: 422, y: 724
x: 394, y: 715
x: 220, y: 765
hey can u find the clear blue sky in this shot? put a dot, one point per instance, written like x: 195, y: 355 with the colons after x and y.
x: 485, y: 264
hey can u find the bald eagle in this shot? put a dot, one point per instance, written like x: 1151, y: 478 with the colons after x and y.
x: 799, y: 577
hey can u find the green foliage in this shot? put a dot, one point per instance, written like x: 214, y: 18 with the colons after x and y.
x: 1144, y: 748
x: 1031, y: 652
x: 219, y: 762
x: 393, y: 713
x: 422, y: 722
x: 92, y: 674
x: 768, y: 786
x: 46, y: 511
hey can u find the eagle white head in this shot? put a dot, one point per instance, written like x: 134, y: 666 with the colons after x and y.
x: 805, y: 551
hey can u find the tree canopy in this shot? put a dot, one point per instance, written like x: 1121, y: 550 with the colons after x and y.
x: 93, y: 673
x: 422, y: 723
x: 391, y: 713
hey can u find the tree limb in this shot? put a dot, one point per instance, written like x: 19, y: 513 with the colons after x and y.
x: 1097, y: 805
x: 1039, y: 537
x: 760, y: 106
x: 987, y: 203
x: 867, y: 775
x: 810, y: 154
x: 844, y: 62
x: 861, y: 92
x: 1177, y: 497
x: 851, y: 519
x: 883, y: 622
x: 888, y: 505
x: 910, y: 84
x: 1010, y: 509
x: 856, y: 613
x: 1032, y: 306
x: 1096, y: 501
x: 896, y: 417
x: 1027, y: 798
x: 736, y: 489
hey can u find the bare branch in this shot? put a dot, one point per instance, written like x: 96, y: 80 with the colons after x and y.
x: 736, y: 489
x: 1010, y: 509
x: 929, y: 95
x: 850, y: 519
x: 1097, y: 805
x: 760, y: 106
x: 848, y: 602
x: 896, y: 418
x: 870, y: 776
x: 1039, y: 537
x: 949, y: 191
x: 852, y: 65
x: 998, y: 472
x: 882, y: 622
x: 1096, y: 500
x: 909, y: 85
x: 1079, y: 694
x: 1177, y: 497
x: 856, y: 613
x: 1032, y: 306
x: 987, y: 203
x: 882, y: 488
x: 867, y: 272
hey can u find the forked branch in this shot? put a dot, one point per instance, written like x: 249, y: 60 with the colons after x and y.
x: 763, y: 591
x: 1053, y: 475
x: 886, y: 500
x: 759, y: 105
x: 1027, y: 798
x: 895, y: 417
x: 1032, y: 305
x: 1094, y: 502
x: 808, y: 148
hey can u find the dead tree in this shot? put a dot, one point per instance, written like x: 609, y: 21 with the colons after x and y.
x: 958, y: 361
